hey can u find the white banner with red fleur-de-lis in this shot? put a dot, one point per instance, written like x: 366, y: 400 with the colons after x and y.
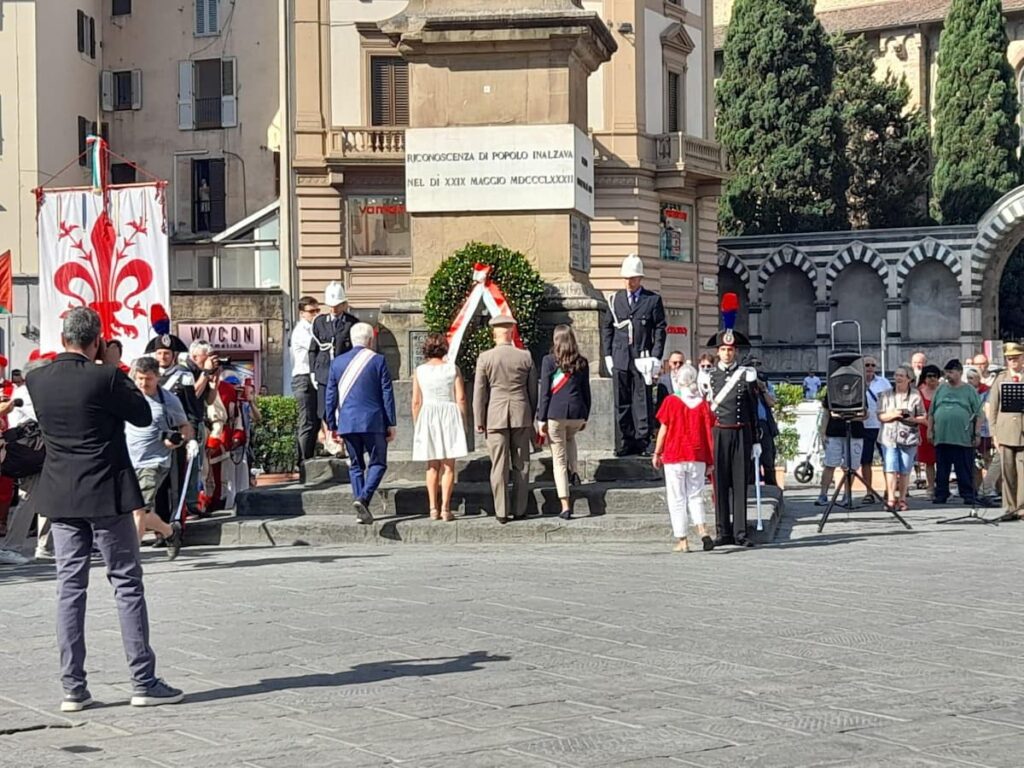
x: 111, y: 258
x: 494, y: 300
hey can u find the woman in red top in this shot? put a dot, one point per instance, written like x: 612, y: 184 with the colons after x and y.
x: 683, y: 448
x: 928, y: 386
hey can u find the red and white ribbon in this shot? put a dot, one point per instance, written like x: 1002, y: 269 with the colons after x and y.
x: 494, y: 300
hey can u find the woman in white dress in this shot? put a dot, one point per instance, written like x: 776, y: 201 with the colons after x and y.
x: 438, y: 412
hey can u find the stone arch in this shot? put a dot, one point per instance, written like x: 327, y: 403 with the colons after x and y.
x: 932, y: 309
x: 732, y: 263
x: 789, y: 314
x: 929, y: 248
x: 855, y: 252
x: 999, y: 232
x: 787, y: 254
x: 859, y: 295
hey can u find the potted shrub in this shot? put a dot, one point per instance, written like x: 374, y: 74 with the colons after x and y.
x: 787, y: 444
x: 273, y: 440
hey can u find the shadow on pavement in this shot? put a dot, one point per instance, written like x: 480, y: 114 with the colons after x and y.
x: 359, y: 675
x: 211, y: 565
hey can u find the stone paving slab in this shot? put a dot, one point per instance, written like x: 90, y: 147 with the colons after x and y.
x: 865, y: 646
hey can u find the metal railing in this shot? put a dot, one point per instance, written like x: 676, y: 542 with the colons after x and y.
x: 207, y: 112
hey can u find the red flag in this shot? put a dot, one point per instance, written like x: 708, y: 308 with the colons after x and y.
x: 6, y: 283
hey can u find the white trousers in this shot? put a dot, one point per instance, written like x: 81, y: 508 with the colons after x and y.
x: 684, y: 486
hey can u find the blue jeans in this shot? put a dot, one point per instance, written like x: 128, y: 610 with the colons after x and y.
x: 368, y: 461
x: 118, y: 542
x: 899, y: 459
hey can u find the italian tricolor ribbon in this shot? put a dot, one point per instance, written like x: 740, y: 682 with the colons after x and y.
x: 99, y: 156
x: 558, y: 381
x: 494, y: 300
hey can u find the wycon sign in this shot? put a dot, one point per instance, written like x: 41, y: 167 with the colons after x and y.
x: 499, y: 168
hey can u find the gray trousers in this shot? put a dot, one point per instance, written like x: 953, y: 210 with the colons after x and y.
x: 117, y: 541
x: 510, y: 454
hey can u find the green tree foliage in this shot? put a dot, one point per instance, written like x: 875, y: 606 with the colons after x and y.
x: 976, y: 136
x: 451, y: 283
x: 778, y: 124
x: 887, y: 145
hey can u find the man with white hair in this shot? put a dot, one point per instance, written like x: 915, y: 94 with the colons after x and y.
x: 331, y: 338
x: 360, y: 408
x: 633, y: 339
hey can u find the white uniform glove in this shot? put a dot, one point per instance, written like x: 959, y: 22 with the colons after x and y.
x: 608, y: 363
x: 755, y: 452
x: 192, y: 449
x: 656, y: 370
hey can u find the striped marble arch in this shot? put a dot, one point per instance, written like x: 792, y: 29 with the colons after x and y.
x: 929, y: 248
x: 787, y: 254
x: 732, y: 262
x: 855, y: 252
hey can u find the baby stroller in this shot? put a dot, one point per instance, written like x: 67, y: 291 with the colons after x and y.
x: 804, y: 471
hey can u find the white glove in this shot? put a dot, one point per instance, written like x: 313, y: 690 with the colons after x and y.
x: 192, y: 449
x: 656, y: 369
x: 315, y: 385
x: 750, y: 375
x: 608, y: 363
x: 755, y: 452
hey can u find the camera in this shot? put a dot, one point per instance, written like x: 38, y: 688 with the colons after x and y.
x: 175, y: 438
x: 904, y: 414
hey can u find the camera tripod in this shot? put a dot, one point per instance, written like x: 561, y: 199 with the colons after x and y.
x: 849, y: 473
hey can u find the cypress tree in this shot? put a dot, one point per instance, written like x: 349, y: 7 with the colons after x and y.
x: 887, y: 145
x: 778, y: 124
x: 976, y: 135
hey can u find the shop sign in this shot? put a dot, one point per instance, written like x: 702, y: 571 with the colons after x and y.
x: 499, y: 168
x: 680, y: 321
x: 226, y: 337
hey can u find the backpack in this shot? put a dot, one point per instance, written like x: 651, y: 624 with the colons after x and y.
x: 24, y: 451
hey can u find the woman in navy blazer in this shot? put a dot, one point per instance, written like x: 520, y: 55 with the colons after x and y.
x: 563, y: 407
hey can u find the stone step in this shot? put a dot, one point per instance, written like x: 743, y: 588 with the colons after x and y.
x: 333, y: 530
x: 594, y: 499
x: 476, y: 468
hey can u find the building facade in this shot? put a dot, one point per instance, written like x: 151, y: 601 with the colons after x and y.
x: 188, y: 93
x: 658, y: 169
x: 905, y: 36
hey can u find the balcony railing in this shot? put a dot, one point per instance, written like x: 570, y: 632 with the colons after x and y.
x: 367, y: 144
x: 693, y: 154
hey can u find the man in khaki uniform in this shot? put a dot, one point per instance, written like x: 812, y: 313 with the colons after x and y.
x: 1008, y: 432
x: 504, y: 404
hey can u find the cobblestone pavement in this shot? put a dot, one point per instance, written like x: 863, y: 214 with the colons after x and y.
x: 866, y: 646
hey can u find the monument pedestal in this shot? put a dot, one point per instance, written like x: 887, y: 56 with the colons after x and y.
x: 570, y: 303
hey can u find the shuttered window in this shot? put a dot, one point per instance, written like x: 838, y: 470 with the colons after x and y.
x: 389, y: 90
x: 82, y: 28
x: 672, y: 106
x: 207, y: 18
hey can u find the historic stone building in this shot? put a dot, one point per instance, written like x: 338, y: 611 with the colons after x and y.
x: 658, y: 169
x: 932, y: 288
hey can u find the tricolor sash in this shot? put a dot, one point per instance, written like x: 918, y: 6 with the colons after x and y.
x: 558, y: 380
x: 351, y: 374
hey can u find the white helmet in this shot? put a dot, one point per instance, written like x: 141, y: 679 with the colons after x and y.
x: 632, y: 266
x: 335, y: 294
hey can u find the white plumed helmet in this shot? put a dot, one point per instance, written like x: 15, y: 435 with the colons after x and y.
x: 335, y: 294
x: 632, y: 266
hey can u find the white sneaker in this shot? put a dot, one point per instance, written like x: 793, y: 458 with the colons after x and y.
x: 10, y: 557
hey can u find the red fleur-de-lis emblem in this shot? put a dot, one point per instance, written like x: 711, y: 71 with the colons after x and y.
x: 113, y: 279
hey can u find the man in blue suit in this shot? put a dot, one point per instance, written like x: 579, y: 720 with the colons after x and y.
x: 361, y: 409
